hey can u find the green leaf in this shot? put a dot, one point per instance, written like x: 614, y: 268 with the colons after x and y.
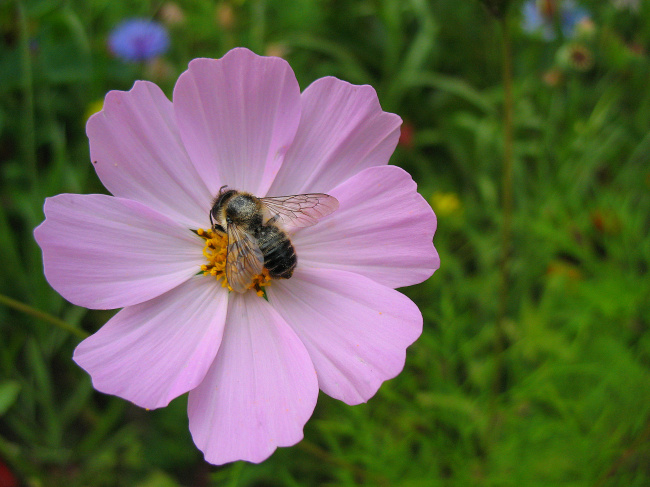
x: 8, y: 393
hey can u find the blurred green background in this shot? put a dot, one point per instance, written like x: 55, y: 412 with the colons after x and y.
x: 534, y: 365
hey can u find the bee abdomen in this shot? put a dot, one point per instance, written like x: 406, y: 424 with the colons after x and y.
x: 279, y: 255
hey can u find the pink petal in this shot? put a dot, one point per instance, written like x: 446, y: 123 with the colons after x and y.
x: 104, y: 252
x: 138, y: 154
x: 237, y: 116
x: 155, y: 351
x: 259, y: 392
x: 383, y: 230
x: 355, y: 330
x: 342, y: 131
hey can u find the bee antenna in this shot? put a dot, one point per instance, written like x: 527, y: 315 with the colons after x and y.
x: 221, y: 188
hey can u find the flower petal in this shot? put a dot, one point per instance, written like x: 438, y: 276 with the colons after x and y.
x: 104, y: 252
x: 137, y: 152
x: 355, y: 330
x: 259, y: 392
x: 383, y: 230
x: 342, y: 131
x: 155, y: 351
x: 237, y: 116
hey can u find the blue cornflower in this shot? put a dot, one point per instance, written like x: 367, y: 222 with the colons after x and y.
x: 533, y: 20
x: 571, y: 16
x: 539, y: 16
x: 138, y: 40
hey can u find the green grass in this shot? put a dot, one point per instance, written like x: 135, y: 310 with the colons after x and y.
x: 543, y: 380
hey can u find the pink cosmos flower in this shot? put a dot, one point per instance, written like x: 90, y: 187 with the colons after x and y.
x: 252, y: 366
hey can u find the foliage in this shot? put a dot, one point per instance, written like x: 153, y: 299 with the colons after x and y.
x: 549, y: 388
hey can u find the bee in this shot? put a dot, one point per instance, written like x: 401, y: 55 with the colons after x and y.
x: 256, y: 231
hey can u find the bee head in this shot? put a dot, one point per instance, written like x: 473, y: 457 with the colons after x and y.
x: 219, y: 202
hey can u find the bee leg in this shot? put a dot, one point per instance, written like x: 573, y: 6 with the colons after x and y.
x: 272, y: 220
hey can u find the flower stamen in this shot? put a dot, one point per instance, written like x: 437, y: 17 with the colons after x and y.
x: 215, y: 251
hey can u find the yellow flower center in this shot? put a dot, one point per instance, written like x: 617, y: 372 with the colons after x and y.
x: 215, y: 251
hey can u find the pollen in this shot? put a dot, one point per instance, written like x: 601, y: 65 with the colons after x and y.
x: 215, y: 250
x: 260, y: 281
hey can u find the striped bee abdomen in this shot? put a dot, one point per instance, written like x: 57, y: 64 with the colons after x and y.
x: 279, y: 255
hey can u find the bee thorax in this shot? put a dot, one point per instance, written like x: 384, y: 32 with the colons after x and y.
x: 243, y: 209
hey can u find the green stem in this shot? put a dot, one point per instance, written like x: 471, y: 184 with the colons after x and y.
x: 507, y: 208
x: 28, y: 134
x: 41, y: 315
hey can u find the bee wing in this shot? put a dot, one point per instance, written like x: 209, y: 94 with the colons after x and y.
x: 244, y: 259
x: 300, y: 210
